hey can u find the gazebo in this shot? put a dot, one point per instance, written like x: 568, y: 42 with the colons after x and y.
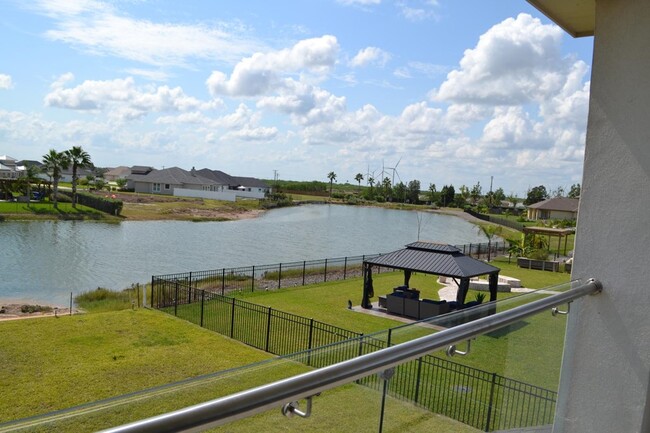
x: 431, y: 258
x: 549, y: 231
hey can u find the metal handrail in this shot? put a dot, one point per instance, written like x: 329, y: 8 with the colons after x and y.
x: 256, y: 400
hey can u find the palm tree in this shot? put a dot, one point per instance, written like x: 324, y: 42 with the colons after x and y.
x: 332, y: 177
x: 359, y: 178
x: 490, y: 231
x: 79, y: 158
x: 29, y: 175
x: 54, y: 162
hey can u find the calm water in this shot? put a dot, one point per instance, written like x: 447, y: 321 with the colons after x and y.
x: 45, y: 261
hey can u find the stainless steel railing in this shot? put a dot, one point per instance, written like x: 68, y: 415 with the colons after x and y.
x: 256, y: 400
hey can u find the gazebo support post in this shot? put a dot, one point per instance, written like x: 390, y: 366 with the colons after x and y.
x: 407, y: 277
x: 463, y: 287
x: 368, y: 291
x: 493, y: 280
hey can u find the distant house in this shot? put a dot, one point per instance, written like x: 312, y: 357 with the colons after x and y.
x: 248, y: 187
x: 251, y: 184
x: 561, y: 208
x: 116, y: 173
x: 8, y: 169
x: 66, y: 174
x: 167, y: 180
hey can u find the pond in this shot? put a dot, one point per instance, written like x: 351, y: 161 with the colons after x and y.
x: 46, y: 261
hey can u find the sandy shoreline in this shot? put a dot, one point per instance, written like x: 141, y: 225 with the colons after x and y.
x: 15, y: 311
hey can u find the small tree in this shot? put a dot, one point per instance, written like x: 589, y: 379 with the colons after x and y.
x: 332, y: 177
x: 535, y: 195
x: 490, y: 231
x: 359, y: 178
x: 432, y: 193
x: 413, y: 191
x: 28, y: 177
x: 121, y: 183
x: 574, y: 192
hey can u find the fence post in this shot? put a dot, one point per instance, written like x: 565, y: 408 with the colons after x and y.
x: 268, y: 330
x: 345, y: 268
x: 190, y: 280
x: 304, y: 264
x: 223, y: 281
x: 280, y: 276
x: 176, y: 300
x: 202, y: 306
x: 253, y: 280
x: 232, y: 318
x: 490, y: 404
x: 311, y: 332
x: 325, y: 280
x: 311, y: 336
x: 417, y: 383
x: 152, y: 284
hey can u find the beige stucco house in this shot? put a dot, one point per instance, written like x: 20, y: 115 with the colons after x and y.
x: 557, y: 208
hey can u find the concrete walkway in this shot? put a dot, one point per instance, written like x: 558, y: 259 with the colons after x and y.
x: 448, y: 292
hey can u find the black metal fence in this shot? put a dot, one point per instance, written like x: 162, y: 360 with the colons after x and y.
x: 276, y: 276
x: 475, y: 397
x: 496, y: 220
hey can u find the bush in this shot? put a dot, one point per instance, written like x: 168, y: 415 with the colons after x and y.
x: 539, y: 254
x: 102, y: 299
x: 35, y: 309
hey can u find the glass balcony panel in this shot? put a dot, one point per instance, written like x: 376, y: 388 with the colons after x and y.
x: 507, y: 380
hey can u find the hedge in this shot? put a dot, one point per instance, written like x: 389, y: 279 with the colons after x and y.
x: 103, y: 204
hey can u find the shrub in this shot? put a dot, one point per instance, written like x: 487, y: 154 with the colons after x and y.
x: 539, y: 254
x: 102, y: 299
x: 103, y: 204
x: 35, y: 309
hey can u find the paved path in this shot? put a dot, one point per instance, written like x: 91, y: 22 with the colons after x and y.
x: 448, y: 292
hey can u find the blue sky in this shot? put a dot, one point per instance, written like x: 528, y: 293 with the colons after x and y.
x: 456, y: 91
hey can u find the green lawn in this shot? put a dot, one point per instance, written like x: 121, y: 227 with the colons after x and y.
x: 54, y: 363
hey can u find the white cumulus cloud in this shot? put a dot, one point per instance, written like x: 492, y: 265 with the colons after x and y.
x: 514, y: 62
x: 260, y: 73
x: 121, y: 97
x: 370, y: 55
x: 5, y: 81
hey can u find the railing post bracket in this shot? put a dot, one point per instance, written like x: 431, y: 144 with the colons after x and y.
x: 290, y: 409
x: 452, y: 350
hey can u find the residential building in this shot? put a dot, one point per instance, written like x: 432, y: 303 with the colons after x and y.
x: 557, y: 208
x: 8, y: 168
x: 167, y: 180
x: 116, y: 173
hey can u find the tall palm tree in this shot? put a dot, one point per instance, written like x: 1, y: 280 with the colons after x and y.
x: 79, y: 158
x: 332, y: 177
x: 54, y: 162
x: 359, y: 178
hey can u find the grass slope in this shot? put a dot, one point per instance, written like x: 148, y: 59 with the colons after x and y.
x: 54, y: 363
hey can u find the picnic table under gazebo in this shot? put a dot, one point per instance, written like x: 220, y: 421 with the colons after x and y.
x: 429, y: 258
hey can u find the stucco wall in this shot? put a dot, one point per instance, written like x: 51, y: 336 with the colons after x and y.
x: 605, y: 372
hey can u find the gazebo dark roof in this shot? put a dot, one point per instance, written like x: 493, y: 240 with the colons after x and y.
x: 434, y: 258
